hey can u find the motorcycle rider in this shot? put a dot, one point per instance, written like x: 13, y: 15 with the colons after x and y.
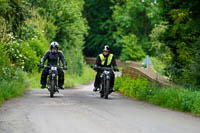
x: 106, y: 59
x: 53, y: 56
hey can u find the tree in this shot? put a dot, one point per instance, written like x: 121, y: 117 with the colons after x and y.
x: 183, y: 35
x: 98, y: 14
x: 14, y: 12
x: 131, y: 50
x: 71, y: 27
x: 135, y: 17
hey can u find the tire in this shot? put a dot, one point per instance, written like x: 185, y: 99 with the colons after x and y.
x: 101, y: 95
x: 101, y: 89
x: 52, y: 88
x: 51, y: 94
x: 106, y: 89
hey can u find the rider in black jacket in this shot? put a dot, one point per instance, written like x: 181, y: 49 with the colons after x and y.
x: 105, y: 60
x: 53, y: 56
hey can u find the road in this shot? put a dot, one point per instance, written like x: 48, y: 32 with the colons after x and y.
x: 79, y: 110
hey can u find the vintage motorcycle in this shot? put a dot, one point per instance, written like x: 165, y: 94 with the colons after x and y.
x: 52, y: 84
x: 104, y: 88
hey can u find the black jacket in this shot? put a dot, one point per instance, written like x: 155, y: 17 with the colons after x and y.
x: 113, y: 62
x: 54, y: 58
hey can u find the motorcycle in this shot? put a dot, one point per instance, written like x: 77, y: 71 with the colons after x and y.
x: 105, y: 76
x: 52, y: 84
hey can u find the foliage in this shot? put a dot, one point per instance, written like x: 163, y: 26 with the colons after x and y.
x: 131, y: 50
x: 182, y: 39
x: 159, y: 65
x: 66, y: 26
x: 14, y: 12
x: 111, y: 20
x: 175, y: 98
x: 158, y: 47
x: 27, y: 27
x: 98, y: 14
x: 72, y: 80
x: 12, y: 79
x: 134, y: 17
x: 13, y: 86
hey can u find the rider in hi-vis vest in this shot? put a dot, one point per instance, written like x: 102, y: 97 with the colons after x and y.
x: 105, y: 60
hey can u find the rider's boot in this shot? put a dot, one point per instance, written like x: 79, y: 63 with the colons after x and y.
x: 61, y: 87
x: 95, y: 89
x: 112, y: 90
x: 43, y: 86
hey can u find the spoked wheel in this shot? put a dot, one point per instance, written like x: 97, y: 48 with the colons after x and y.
x: 106, y: 89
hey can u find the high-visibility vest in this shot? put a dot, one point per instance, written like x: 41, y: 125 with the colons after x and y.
x: 103, y: 59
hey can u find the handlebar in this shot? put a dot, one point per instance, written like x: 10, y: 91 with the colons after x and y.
x: 49, y: 66
x: 104, y: 68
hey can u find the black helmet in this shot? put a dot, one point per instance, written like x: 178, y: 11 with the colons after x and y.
x: 54, y: 45
x: 106, y: 48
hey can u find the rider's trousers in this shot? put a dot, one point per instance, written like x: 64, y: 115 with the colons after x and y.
x: 45, y: 73
x: 98, y: 78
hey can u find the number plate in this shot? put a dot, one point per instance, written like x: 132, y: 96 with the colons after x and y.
x: 53, y: 68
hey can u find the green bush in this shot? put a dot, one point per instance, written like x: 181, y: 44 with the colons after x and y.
x: 14, y: 86
x: 158, y: 65
x: 175, y: 98
x: 75, y: 60
x: 196, y: 106
x: 39, y: 46
x: 12, y: 80
x: 26, y: 55
x: 131, y: 49
x: 50, y: 30
x: 4, y: 63
x: 167, y: 98
x: 139, y: 88
x: 188, y: 100
x: 22, y: 55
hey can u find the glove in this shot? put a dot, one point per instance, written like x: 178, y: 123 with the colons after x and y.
x: 95, y: 67
x: 116, y: 69
x: 65, y: 67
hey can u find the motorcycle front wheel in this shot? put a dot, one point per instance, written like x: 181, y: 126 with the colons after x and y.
x: 52, y: 88
x: 101, y: 90
x: 106, y: 89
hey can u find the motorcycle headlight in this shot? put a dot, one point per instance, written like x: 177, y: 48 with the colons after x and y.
x: 107, y: 72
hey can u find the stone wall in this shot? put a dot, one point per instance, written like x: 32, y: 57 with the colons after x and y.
x: 136, y: 72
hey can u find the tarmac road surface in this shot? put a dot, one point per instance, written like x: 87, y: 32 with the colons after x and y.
x: 79, y: 110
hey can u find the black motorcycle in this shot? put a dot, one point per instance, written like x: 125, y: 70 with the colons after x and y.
x: 104, y: 88
x: 52, y: 84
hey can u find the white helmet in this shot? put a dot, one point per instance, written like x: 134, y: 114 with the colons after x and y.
x: 54, y: 45
x: 106, y: 48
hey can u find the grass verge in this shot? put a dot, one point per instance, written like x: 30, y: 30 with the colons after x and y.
x: 180, y: 99
x: 72, y: 80
x: 14, y: 87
